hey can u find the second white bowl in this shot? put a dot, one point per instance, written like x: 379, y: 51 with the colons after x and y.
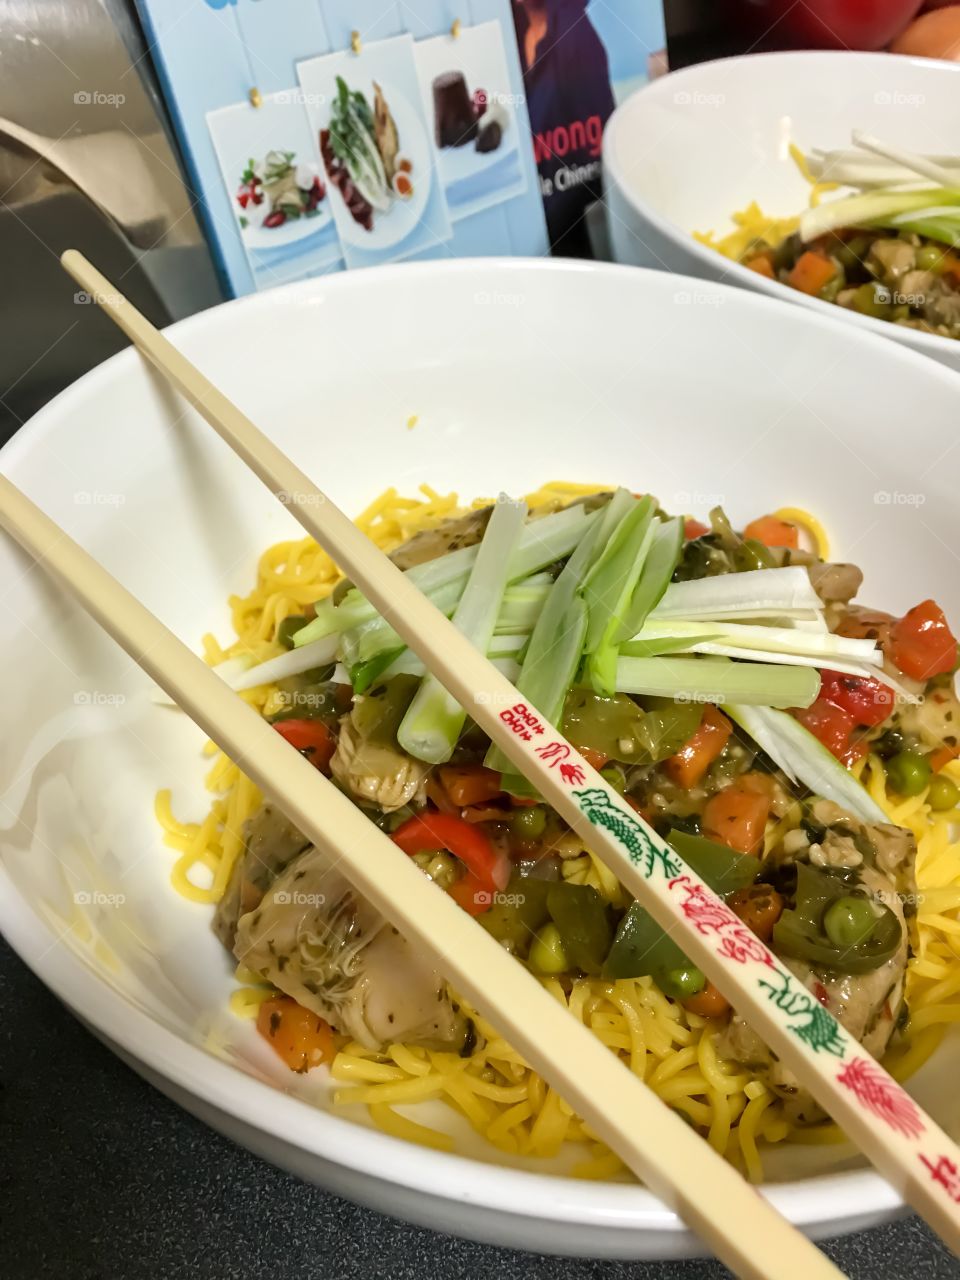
x: 686, y: 151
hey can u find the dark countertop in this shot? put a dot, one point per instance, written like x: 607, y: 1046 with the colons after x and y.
x: 103, y: 1178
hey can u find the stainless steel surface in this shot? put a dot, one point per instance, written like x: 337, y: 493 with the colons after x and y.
x: 85, y: 161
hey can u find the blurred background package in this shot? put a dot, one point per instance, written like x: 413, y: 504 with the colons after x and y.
x: 580, y: 59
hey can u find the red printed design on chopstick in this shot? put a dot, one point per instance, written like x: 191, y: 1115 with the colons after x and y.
x: 710, y: 915
x: 557, y: 755
x: 944, y: 1171
x: 522, y: 721
x: 881, y: 1095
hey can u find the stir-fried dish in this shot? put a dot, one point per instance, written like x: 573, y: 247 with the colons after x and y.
x: 798, y: 749
x: 889, y: 252
x: 904, y: 278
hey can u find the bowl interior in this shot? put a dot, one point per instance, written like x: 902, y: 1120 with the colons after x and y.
x: 518, y: 373
x: 726, y: 128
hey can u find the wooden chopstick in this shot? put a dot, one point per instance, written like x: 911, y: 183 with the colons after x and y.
x: 916, y: 1156
x: 661, y: 1148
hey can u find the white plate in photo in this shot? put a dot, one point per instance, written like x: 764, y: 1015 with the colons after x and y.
x: 241, y: 133
x: 396, y: 224
x: 258, y: 237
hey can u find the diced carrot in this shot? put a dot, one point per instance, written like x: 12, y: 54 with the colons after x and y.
x: 759, y: 907
x: 940, y: 758
x: 299, y: 1036
x: 950, y: 267
x: 695, y: 757
x: 761, y: 783
x: 694, y: 529
x: 708, y: 1003
x: 736, y: 817
x: 773, y: 532
x: 468, y: 784
x: 811, y: 272
x: 762, y: 263
x: 595, y: 759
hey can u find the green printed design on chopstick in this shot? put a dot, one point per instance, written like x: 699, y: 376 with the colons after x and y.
x: 819, y: 1029
x: 596, y: 805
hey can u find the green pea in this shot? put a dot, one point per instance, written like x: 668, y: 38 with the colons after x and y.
x: 546, y: 951
x: 289, y: 627
x: 943, y: 793
x: 931, y: 258
x: 683, y: 982
x: 873, y: 300
x: 529, y: 824
x: 849, y: 921
x: 908, y: 773
x: 615, y: 777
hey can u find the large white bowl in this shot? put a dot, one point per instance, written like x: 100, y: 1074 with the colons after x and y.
x: 519, y: 372
x: 686, y: 151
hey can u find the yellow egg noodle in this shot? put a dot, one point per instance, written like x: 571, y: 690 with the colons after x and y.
x: 666, y: 1046
x: 752, y: 224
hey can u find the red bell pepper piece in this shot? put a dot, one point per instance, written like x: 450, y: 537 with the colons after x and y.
x: 487, y: 870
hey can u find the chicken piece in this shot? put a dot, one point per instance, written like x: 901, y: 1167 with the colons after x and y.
x: 893, y: 259
x: 833, y: 582
x: 891, y: 849
x: 935, y: 720
x: 867, y: 1004
x: 271, y: 841
x: 862, y: 623
x: 374, y: 773
x: 917, y: 286
x: 385, y: 132
x: 317, y: 940
x: 451, y: 535
x: 942, y: 309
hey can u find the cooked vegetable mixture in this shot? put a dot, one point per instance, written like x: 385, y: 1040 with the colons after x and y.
x: 889, y: 252
x: 723, y: 680
x: 903, y: 278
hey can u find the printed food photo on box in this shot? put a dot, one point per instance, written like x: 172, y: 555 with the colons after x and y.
x: 467, y: 95
x: 279, y: 195
x: 377, y: 154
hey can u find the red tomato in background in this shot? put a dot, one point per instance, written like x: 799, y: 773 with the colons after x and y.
x: 830, y: 24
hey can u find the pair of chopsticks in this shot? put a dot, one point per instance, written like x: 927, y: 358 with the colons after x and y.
x: 743, y: 1230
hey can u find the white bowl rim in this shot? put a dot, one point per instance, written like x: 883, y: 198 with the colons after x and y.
x: 822, y: 1200
x: 934, y: 344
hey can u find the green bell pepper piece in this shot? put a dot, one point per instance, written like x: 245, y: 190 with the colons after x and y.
x: 800, y: 932
x: 580, y: 915
x: 518, y: 912
x: 641, y: 947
